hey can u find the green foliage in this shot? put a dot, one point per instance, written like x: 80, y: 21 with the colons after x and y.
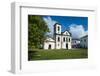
x: 37, y: 29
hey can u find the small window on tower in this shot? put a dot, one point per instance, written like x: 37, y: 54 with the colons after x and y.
x: 58, y: 38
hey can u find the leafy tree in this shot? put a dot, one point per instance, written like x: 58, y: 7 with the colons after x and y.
x: 37, y: 29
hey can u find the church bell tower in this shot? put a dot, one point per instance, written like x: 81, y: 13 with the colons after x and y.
x: 57, y: 28
x: 57, y: 35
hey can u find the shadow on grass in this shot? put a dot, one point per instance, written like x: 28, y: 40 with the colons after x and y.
x: 32, y: 54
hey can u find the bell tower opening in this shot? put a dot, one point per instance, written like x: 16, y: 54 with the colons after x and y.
x: 58, y: 28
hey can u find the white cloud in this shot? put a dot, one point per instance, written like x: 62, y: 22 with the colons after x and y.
x: 50, y: 24
x: 77, y: 31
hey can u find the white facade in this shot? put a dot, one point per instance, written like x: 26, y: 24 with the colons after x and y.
x: 62, y: 40
x: 49, y: 43
x: 84, y: 42
x: 66, y: 42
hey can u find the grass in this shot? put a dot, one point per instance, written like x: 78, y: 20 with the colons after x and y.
x: 40, y: 54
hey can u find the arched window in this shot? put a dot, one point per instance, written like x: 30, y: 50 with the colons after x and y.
x: 63, y: 39
x: 58, y: 28
x: 58, y: 39
x: 69, y: 39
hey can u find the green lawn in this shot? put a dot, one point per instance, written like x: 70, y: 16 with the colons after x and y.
x: 40, y: 54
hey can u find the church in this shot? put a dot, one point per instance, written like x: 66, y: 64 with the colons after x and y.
x: 60, y: 40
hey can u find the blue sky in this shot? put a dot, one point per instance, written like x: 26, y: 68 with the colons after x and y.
x: 78, y: 26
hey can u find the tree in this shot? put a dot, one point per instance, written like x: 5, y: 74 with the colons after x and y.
x: 37, y: 29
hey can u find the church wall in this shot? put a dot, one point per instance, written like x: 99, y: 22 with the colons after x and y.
x: 58, y: 43
x: 46, y: 45
x: 64, y: 43
x: 70, y: 43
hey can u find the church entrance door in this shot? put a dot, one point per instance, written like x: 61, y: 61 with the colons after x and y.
x: 66, y: 46
x: 49, y: 46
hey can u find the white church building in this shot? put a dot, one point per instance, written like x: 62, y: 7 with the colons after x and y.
x: 60, y: 40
